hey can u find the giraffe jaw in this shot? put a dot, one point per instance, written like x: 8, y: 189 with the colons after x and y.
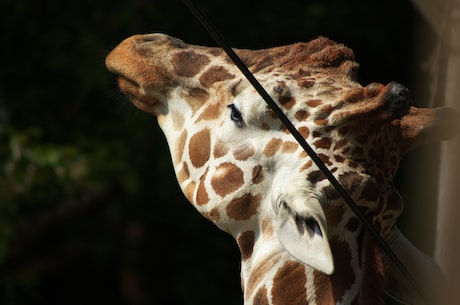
x: 137, y: 95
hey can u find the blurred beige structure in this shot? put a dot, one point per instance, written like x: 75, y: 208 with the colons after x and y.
x: 444, y: 17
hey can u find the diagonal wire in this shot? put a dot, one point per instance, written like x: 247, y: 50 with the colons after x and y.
x: 319, y: 163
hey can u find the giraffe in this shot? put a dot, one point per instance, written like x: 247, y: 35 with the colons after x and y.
x: 241, y: 168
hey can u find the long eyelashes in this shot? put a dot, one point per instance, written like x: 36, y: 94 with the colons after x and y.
x: 236, y: 116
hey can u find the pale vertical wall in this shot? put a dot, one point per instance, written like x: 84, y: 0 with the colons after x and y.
x: 447, y: 251
x: 444, y: 17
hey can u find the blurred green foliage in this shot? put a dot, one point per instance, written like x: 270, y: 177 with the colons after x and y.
x: 90, y: 211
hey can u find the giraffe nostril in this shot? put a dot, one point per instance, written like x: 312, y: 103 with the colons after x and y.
x: 397, y: 99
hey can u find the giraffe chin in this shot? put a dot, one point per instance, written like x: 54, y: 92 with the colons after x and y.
x: 133, y: 91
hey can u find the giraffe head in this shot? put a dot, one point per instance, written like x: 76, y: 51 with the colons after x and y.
x: 242, y: 169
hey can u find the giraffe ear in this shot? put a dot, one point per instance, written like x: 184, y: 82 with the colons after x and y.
x: 302, y: 232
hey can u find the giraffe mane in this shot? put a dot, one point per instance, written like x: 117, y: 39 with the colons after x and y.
x: 320, y: 53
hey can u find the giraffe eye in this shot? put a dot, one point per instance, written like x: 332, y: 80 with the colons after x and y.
x: 235, y: 115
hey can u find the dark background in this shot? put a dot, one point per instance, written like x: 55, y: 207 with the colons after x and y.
x: 90, y: 211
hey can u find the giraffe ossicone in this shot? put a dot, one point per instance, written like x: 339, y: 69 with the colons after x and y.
x: 242, y: 169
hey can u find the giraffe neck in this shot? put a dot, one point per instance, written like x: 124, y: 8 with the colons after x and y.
x: 270, y: 275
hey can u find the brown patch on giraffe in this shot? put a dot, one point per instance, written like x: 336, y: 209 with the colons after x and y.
x: 302, y: 115
x: 287, y: 101
x: 272, y: 147
x: 213, y: 215
x: 189, y: 190
x: 188, y: 63
x: 227, y: 179
x: 211, y: 112
x: 289, y: 147
x: 306, y: 83
x: 244, y: 207
x: 334, y: 214
x: 323, y: 288
x: 259, y: 272
x: 200, y: 148
x: 246, y: 243
x: 326, y: 110
x: 325, y: 159
x: 331, y: 289
x: 257, y: 174
x: 289, y: 285
x: 321, y: 122
x: 179, y: 147
x: 304, y: 131
x: 220, y: 149
x: 316, y: 176
x: 324, y: 143
x: 201, y: 193
x: 314, y: 103
x: 184, y: 173
x: 261, y: 297
x: 196, y: 97
x: 265, y: 126
x: 215, y: 74
x: 243, y: 152
x: 339, y: 159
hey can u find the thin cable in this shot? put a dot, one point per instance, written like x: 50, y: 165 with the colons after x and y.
x: 319, y: 163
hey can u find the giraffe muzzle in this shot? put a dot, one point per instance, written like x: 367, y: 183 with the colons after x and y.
x: 417, y: 125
